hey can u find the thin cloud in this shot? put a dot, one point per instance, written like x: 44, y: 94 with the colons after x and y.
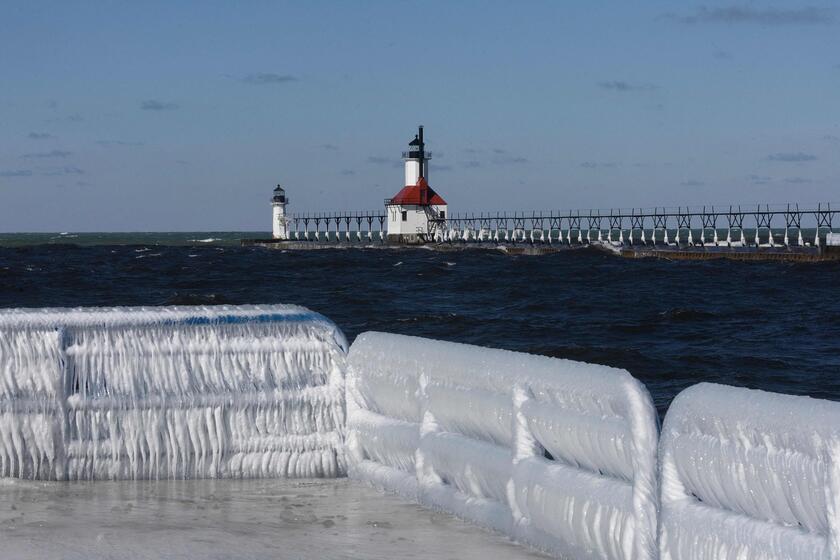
x: 509, y: 160
x: 789, y: 157
x: 440, y: 167
x: 157, y: 105
x: 598, y: 164
x: 722, y: 55
x: 692, y: 183
x: 759, y: 179
x: 39, y: 135
x: 347, y: 172
x: 807, y: 15
x: 16, y: 173
x: 118, y: 143
x: 471, y: 164
x: 50, y: 154
x: 268, y: 78
x: 66, y: 170
x: 329, y: 147
x: 831, y: 138
x: 75, y: 117
x: 622, y: 86
x: 798, y: 180
x: 379, y: 160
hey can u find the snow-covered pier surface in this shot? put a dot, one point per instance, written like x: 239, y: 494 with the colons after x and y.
x: 312, y: 519
x: 178, y: 392
x: 555, y: 453
x: 750, y: 475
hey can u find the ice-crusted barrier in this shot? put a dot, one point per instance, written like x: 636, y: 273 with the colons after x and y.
x: 750, y: 475
x: 172, y: 392
x: 555, y: 453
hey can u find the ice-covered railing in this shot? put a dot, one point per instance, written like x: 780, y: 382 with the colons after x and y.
x: 556, y: 453
x: 173, y: 392
x: 750, y: 475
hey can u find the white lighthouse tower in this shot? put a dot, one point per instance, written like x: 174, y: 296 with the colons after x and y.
x: 417, y: 213
x: 416, y: 159
x: 280, y: 226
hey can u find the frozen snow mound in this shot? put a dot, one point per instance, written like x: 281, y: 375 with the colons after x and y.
x: 750, y: 475
x: 555, y: 453
x: 170, y: 392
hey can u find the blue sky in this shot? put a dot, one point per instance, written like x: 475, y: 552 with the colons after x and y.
x: 183, y: 115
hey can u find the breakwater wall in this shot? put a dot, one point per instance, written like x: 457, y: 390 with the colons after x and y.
x: 564, y: 455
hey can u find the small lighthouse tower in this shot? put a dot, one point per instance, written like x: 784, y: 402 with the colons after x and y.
x: 280, y: 227
x: 417, y: 212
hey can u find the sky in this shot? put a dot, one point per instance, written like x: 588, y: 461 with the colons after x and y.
x: 183, y: 116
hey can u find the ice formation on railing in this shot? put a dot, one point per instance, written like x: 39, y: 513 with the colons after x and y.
x: 750, y: 475
x: 556, y: 453
x: 177, y: 392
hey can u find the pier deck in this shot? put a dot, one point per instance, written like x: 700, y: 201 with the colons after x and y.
x: 208, y: 519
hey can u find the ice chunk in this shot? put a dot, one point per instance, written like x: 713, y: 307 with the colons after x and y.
x: 175, y: 392
x: 748, y: 474
x: 556, y: 453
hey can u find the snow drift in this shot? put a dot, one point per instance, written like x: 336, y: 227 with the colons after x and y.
x: 556, y: 453
x: 749, y: 475
x: 177, y: 392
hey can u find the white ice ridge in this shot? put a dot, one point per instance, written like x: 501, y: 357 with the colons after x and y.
x: 555, y: 453
x: 170, y: 392
x: 750, y: 475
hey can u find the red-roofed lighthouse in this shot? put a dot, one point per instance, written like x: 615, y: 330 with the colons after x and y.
x: 417, y: 213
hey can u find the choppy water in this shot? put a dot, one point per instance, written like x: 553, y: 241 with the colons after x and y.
x: 773, y: 326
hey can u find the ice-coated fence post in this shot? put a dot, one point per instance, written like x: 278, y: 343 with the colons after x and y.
x: 426, y: 474
x: 525, y: 445
x: 833, y: 498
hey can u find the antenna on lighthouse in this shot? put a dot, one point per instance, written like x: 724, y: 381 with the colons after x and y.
x: 422, y: 149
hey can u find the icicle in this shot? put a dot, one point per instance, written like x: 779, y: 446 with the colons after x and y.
x: 729, y: 236
x: 715, y: 237
x: 743, y: 237
x: 801, y: 241
x: 703, y: 237
x: 589, y: 235
x: 621, y: 236
x: 644, y: 241
x: 580, y: 237
x: 561, y: 236
x: 690, y: 238
x: 600, y: 237
x: 569, y: 236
